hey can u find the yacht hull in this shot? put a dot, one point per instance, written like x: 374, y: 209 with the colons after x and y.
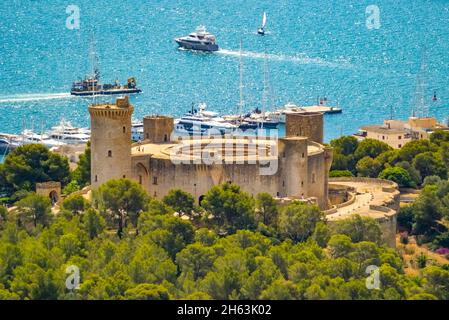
x: 104, y: 92
x: 264, y: 124
x: 196, y: 46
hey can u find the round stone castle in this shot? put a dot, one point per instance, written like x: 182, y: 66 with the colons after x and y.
x: 294, y: 167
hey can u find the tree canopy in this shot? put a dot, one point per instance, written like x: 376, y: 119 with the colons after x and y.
x: 373, y: 158
x: 32, y: 163
x: 123, y: 200
x: 175, y: 257
x: 230, y: 207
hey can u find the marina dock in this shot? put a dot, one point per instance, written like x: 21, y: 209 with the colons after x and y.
x: 323, y: 109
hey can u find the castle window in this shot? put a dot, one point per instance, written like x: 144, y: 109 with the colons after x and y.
x: 124, y: 129
x: 155, y: 194
x: 155, y: 180
x: 302, y: 183
x: 283, y: 183
x: 277, y: 194
x: 148, y: 136
x: 399, y: 137
x: 96, y: 178
x: 399, y: 145
x: 165, y: 137
x: 109, y: 153
x: 124, y: 176
x: 140, y: 179
x: 303, y: 154
x: 313, y: 177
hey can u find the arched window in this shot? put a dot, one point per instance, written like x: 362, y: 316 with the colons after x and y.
x: 109, y: 153
x: 124, y: 129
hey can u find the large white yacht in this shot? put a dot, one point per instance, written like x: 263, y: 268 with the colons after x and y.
x: 198, y: 40
x: 28, y: 137
x: 65, y: 132
x: 201, y: 121
x: 137, y: 130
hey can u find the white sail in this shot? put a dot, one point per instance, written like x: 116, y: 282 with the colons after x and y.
x: 264, y: 19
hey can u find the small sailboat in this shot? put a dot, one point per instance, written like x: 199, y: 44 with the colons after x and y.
x: 261, y: 30
x: 434, y: 96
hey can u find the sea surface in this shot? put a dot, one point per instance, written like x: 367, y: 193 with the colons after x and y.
x: 312, y: 49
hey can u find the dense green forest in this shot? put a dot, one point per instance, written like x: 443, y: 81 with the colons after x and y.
x: 128, y: 245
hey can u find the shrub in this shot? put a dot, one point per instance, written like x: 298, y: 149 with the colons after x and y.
x: 398, y: 175
x: 403, y: 237
x: 340, y: 173
x: 431, y: 180
x: 422, y: 260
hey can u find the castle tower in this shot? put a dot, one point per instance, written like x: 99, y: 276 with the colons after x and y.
x: 305, y: 125
x: 110, y: 141
x: 157, y: 129
x: 294, y: 163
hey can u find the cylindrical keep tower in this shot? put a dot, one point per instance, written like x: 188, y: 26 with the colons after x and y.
x: 308, y: 125
x: 110, y: 141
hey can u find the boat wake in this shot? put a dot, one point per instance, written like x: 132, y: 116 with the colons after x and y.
x: 301, y: 59
x: 34, y: 97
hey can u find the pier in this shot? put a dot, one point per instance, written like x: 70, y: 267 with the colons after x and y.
x: 322, y: 109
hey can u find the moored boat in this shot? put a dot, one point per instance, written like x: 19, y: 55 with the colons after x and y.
x: 291, y: 108
x: 203, y: 122
x: 66, y: 133
x: 137, y: 130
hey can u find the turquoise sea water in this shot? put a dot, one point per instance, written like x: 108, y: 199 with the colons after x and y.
x: 313, y: 48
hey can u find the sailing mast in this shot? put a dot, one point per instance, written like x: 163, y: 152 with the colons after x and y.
x: 93, y: 65
x: 265, y: 86
x: 420, y: 106
x: 241, y: 103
